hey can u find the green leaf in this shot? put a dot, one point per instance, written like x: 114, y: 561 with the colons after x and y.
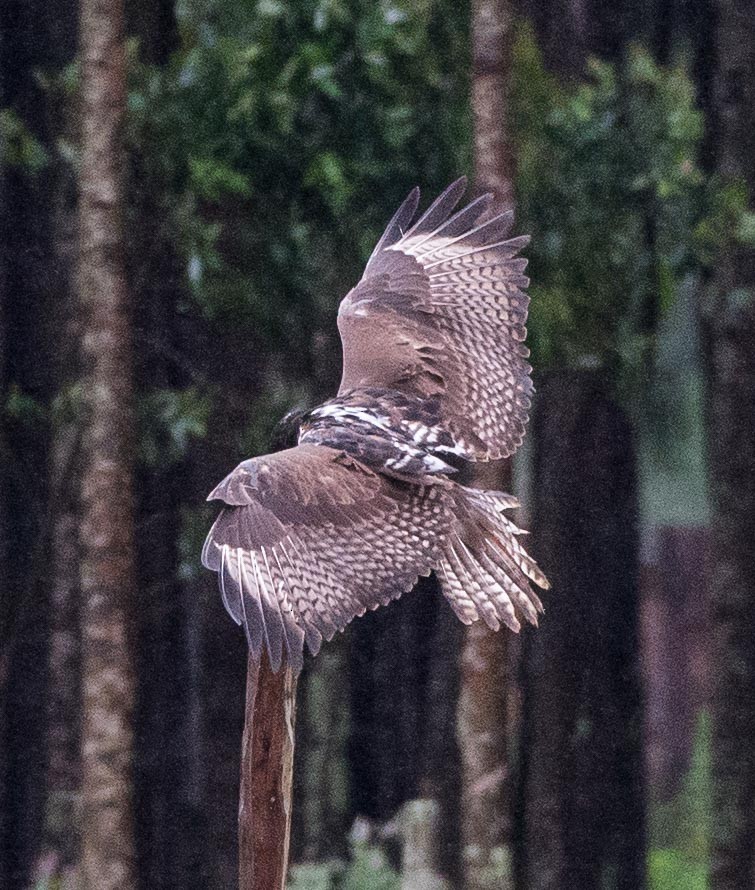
x: 18, y: 146
x: 213, y: 179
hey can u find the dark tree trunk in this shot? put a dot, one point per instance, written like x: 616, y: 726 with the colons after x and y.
x: 581, y: 792
x: 562, y: 28
x: 222, y: 711
x: 386, y: 702
x: 32, y: 37
x: 322, y: 800
x: 403, y: 680
x: 441, y: 776
x: 64, y: 665
x: 580, y: 807
x: 169, y: 823
x: 5, y: 606
x: 107, y: 532
x: 729, y: 324
x: 63, y: 704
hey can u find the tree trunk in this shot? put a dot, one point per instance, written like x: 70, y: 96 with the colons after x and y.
x: 440, y: 777
x: 6, y: 612
x: 31, y: 38
x: 107, y: 532
x: 486, y: 679
x: 63, y: 659
x: 729, y: 318
x: 386, y: 706
x: 169, y: 816
x: 562, y: 29
x: 322, y: 798
x: 492, y: 35
x: 63, y: 705
x: 581, y: 805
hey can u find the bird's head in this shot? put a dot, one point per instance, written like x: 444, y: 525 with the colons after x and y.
x: 286, y: 432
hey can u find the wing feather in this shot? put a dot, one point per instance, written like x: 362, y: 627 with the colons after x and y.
x: 397, y: 226
x: 310, y: 541
x: 253, y: 616
x: 438, y: 212
x: 310, y: 537
x: 441, y: 311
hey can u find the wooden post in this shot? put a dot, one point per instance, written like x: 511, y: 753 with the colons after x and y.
x: 267, y: 770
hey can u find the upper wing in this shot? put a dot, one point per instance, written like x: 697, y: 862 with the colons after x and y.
x: 441, y: 311
x: 310, y: 538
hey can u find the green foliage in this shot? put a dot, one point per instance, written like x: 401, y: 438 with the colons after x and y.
x: 280, y: 138
x: 684, y: 822
x: 192, y: 532
x: 269, y: 406
x: 285, y: 135
x: 311, y: 876
x: 671, y: 870
x: 24, y: 408
x: 680, y: 829
x: 169, y: 420
x: 18, y: 146
x: 68, y: 404
x: 619, y: 211
x: 368, y: 870
x: 728, y: 219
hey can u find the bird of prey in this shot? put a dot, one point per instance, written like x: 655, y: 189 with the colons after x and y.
x: 434, y: 375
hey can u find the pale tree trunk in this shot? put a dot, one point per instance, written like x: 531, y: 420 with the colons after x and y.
x: 486, y: 680
x: 107, y: 530
x: 729, y: 321
x: 492, y: 35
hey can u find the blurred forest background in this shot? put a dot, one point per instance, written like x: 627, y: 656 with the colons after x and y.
x: 154, y: 329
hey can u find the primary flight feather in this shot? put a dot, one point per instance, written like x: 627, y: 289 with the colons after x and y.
x: 434, y: 372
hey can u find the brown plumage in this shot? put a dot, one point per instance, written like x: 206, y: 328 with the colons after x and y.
x: 434, y: 371
x: 440, y: 311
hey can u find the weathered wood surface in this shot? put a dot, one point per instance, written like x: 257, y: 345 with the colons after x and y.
x: 267, y: 769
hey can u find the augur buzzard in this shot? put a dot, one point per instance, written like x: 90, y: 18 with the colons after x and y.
x: 434, y: 372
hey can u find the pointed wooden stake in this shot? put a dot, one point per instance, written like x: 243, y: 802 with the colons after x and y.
x: 267, y: 769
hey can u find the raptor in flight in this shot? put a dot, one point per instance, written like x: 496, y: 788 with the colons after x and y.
x: 434, y: 372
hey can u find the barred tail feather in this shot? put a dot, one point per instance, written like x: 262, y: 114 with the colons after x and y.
x: 486, y: 573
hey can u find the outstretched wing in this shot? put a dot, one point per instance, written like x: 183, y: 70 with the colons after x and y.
x: 310, y: 538
x: 440, y: 312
